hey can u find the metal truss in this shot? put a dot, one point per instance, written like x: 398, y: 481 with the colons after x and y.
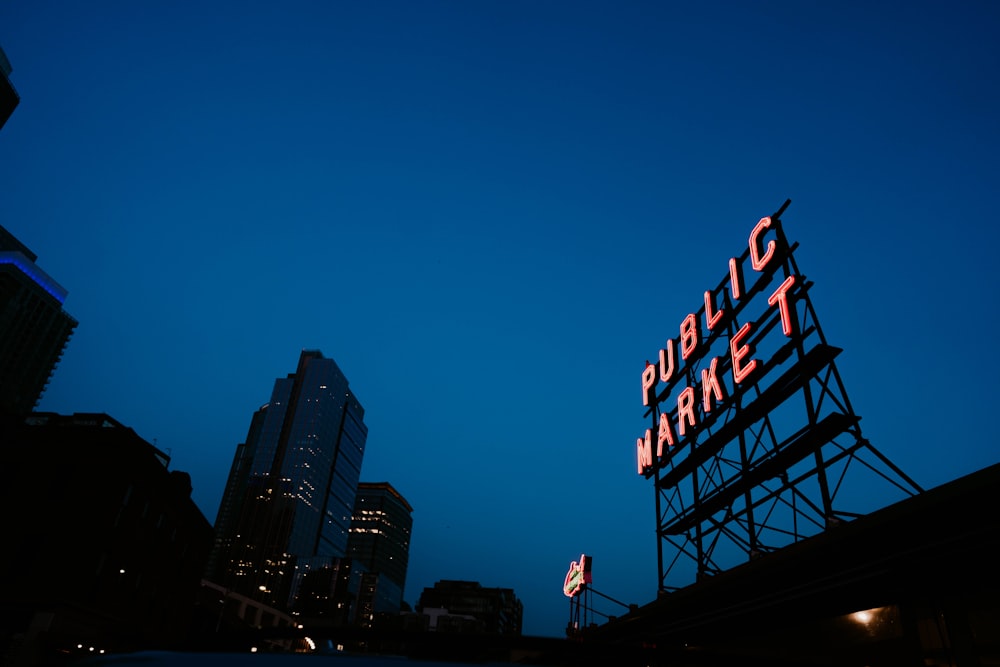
x: 777, y: 460
x: 582, y: 612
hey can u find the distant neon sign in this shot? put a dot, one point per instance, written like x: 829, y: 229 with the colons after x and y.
x: 577, y: 577
x: 676, y: 358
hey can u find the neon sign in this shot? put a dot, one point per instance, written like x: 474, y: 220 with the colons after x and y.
x: 578, y: 576
x: 705, y: 388
x: 751, y: 434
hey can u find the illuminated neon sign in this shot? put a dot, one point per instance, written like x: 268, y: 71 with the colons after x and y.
x: 705, y: 386
x: 577, y: 577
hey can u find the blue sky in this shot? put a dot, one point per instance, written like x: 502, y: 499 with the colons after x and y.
x: 491, y: 214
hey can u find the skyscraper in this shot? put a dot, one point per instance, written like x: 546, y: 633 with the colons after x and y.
x: 291, y: 488
x: 34, y: 328
x: 380, y: 543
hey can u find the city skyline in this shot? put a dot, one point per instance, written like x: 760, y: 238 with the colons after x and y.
x: 491, y: 216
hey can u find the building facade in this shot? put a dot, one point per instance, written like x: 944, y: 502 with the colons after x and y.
x: 496, y: 610
x: 379, y: 542
x: 291, y: 488
x: 34, y: 328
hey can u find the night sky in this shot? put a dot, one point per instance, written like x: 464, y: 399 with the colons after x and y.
x: 491, y: 214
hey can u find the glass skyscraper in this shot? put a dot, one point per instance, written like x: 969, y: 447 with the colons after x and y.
x: 380, y: 543
x: 291, y: 489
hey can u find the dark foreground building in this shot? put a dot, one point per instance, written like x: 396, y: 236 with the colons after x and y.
x: 103, y: 548
x: 916, y: 583
x: 495, y: 610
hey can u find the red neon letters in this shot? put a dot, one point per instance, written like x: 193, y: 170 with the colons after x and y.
x: 758, y: 261
x: 780, y: 297
x: 685, y: 410
x: 711, y: 319
x: 741, y: 372
x: 710, y: 386
x: 740, y: 353
x: 689, y: 336
x: 649, y: 383
x: 735, y: 278
x: 667, y: 357
x: 665, y: 435
x: 644, y: 450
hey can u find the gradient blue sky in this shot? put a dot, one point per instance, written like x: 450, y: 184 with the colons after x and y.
x: 491, y: 214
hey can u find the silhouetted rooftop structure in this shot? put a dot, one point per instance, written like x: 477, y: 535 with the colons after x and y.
x: 497, y: 609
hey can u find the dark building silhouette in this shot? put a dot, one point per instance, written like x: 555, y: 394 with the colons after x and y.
x: 326, y: 592
x: 103, y: 546
x: 228, y: 621
x: 291, y: 488
x: 9, y: 98
x: 380, y: 543
x: 915, y: 583
x: 496, y: 610
x: 34, y: 328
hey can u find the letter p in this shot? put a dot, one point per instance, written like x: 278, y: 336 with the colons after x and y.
x: 648, y: 384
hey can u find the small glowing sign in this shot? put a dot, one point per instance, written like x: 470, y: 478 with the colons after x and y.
x: 679, y: 355
x: 577, y: 577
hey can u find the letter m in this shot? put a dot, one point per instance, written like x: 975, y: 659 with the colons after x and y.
x: 644, y: 451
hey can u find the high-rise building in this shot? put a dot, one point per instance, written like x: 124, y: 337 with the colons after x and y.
x: 34, y: 328
x: 290, y: 494
x: 380, y: 543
